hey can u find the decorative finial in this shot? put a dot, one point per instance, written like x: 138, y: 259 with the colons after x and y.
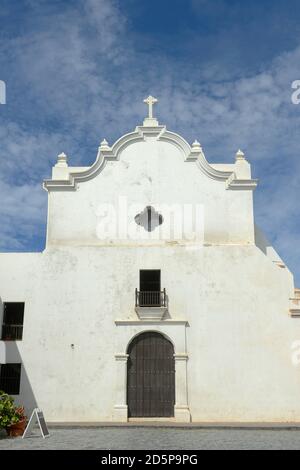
x: 62, y: 159
x: 104, y: 145
x: 240, y: 155
x: 196, y: 146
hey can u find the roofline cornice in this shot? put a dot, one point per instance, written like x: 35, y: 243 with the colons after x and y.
x: 190, y: 153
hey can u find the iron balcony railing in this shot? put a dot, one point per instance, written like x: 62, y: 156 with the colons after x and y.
x: 12, y: 332
x: 150, y: 298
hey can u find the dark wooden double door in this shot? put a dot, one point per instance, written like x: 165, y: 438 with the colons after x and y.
x: 151, y: 376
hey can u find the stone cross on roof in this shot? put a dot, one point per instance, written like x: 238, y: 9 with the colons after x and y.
x: 150, y: 101
x: 150, y: 120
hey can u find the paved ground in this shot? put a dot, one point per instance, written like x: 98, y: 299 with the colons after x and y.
x: 157, y: 438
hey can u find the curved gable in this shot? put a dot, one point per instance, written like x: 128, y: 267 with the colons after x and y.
x: 150, y: 166
x: 190, y: 153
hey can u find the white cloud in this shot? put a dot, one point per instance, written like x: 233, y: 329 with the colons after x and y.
x: 82, y: 77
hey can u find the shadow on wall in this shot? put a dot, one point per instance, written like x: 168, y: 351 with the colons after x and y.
x: 10, y: 354
x: 265, y: 246
x: 261, y: 241
x: 26, y: 397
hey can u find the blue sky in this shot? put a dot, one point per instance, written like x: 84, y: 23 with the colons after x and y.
x: 77, y: 71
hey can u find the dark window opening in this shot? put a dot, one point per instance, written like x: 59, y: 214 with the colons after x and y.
x: 13, y: 318
x: 150, y: 294
x: 10, y: 377
x: 150, y: 280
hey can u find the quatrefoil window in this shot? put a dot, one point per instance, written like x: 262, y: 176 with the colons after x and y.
x: 149, y: 219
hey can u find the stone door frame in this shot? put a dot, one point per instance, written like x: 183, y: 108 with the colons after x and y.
x: 174, y: 331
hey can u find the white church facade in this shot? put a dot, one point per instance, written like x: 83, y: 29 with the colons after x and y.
x: 156, y: 295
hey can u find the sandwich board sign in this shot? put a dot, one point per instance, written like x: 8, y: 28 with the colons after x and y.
x: 37, y: 416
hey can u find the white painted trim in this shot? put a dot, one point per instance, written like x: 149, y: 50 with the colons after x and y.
x: 151, y: 322
x: 295, y: 312
x: 177, y: 336
x: 121, y: 357
x: 106, y: 153
x: 181, y: 357
x: 241, y: 184
x: 151, y: 313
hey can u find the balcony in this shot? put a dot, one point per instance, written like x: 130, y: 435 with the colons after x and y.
x: 150, y: 305
x: 12, y: 332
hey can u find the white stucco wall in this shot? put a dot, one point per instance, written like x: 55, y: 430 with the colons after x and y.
x: 238, y: 338
x: 150, y: 173
x: 228, y: 314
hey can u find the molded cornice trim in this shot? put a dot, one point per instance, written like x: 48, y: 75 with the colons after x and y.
x: 190, y: 153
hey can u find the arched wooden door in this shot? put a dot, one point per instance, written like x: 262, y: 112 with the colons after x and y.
x: 150, y: 376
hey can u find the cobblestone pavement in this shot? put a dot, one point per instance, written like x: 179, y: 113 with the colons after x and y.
x: 156, y: 438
